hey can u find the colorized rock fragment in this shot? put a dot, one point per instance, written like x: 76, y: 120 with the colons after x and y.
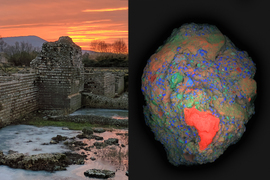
x: 199, y: 91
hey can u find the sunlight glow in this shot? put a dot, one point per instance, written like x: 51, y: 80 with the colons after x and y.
x: 104, y: 10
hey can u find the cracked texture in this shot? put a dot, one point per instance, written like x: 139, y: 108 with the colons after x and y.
x: 199, y: 91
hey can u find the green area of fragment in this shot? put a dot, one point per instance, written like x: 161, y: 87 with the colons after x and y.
x: 179, y: 96
x: 154, y: 103
x: 215, y: 38
x: 175, y: 79
x: 180, y: 141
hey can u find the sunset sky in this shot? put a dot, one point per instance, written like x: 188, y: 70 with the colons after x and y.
x: 82, y: 20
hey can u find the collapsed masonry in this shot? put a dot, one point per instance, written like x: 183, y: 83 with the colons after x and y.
x: 55, y: 83
x: 60, y: 75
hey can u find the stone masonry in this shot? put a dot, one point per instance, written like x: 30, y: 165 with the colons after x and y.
x: 119, y: 82
x: 54, y: 83
x: 100, y: 83
x: 18, y: 97
x: 60, y: 75
x: 96, y: 84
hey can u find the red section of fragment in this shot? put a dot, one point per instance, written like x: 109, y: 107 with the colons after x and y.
x: 249, y: 99
x: 160, y: 113
x: 206, y: 124
x: 238, y: 69
x: 152, y: 78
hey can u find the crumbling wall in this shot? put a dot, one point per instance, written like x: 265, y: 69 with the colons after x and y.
x: 118, y: 73
x: 100, y: 83
x: 109, y: 84
x: 119, y: 82
x: 91, y: 100
x: 93, y: 83
x: 18, y: 97
x: 60, y: 70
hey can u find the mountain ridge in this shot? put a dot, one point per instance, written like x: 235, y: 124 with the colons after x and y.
x: 31, y: 39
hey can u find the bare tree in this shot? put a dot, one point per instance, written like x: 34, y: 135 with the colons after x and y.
x: 102, y: 46
x: 109, y: 48
x: 21, y: 53
x: 94, y: 45
x: 119, y: 46
x: 99, y: 46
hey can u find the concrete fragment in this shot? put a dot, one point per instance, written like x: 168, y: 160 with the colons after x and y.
x: 199, y: 91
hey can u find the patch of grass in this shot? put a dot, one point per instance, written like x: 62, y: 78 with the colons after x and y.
x: 71, y: 125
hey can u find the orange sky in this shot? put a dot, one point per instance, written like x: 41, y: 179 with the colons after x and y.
x: 82, y: 20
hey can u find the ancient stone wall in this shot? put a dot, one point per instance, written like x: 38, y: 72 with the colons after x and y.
x: 119, y: 82
x: 18, y: 97
x: 60, y: 75
x: 96, y: 101
x: 109, y: 85
x: 55, y: 83
x: 6, y: 78
x: 100, y: 83
x: 95, y: 72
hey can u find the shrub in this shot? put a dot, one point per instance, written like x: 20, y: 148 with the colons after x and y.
x: 106, y: 60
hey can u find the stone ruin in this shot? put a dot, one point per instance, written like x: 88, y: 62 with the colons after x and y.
x: 60, y: 75
x: 55, y: 83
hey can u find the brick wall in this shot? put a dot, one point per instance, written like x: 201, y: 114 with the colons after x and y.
x: 18, y: 97
x: 57, y: 87
x: 100, y: 83
x: 95, y: 72
x: 60, y: 75
x: 119, y: 83
x: 56, y: 83
x: 109, y: 85
x: 93, y: 83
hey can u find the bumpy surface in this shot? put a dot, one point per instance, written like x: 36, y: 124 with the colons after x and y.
x: 199, y: 93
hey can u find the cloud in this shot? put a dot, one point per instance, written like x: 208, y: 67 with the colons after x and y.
x: 30, y: 25
x: 106, y: 9
x: 51, y: 19
x: 95, y: 21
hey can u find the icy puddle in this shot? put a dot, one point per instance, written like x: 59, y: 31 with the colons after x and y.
x: 28, y: 139
x: 113, y: 113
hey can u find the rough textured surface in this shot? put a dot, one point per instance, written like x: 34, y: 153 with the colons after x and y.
x: 87, y: 130
x: 97, y: 101
x: 55, y: 82
x: 93, y: 82
x: 60, y: 70
x: 45, y: 161
x: 100, y: 83
x: 99, y: 173
x: 199, y: 91
x: 18, y: 97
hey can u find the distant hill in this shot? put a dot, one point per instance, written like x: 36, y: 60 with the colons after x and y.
x: 34, y: 40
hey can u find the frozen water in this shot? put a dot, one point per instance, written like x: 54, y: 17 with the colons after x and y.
x: 113, y: 113
x: 17, y: 137
x: 28, y: 139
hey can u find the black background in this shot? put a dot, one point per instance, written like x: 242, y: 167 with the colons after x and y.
x: 246, y: 24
